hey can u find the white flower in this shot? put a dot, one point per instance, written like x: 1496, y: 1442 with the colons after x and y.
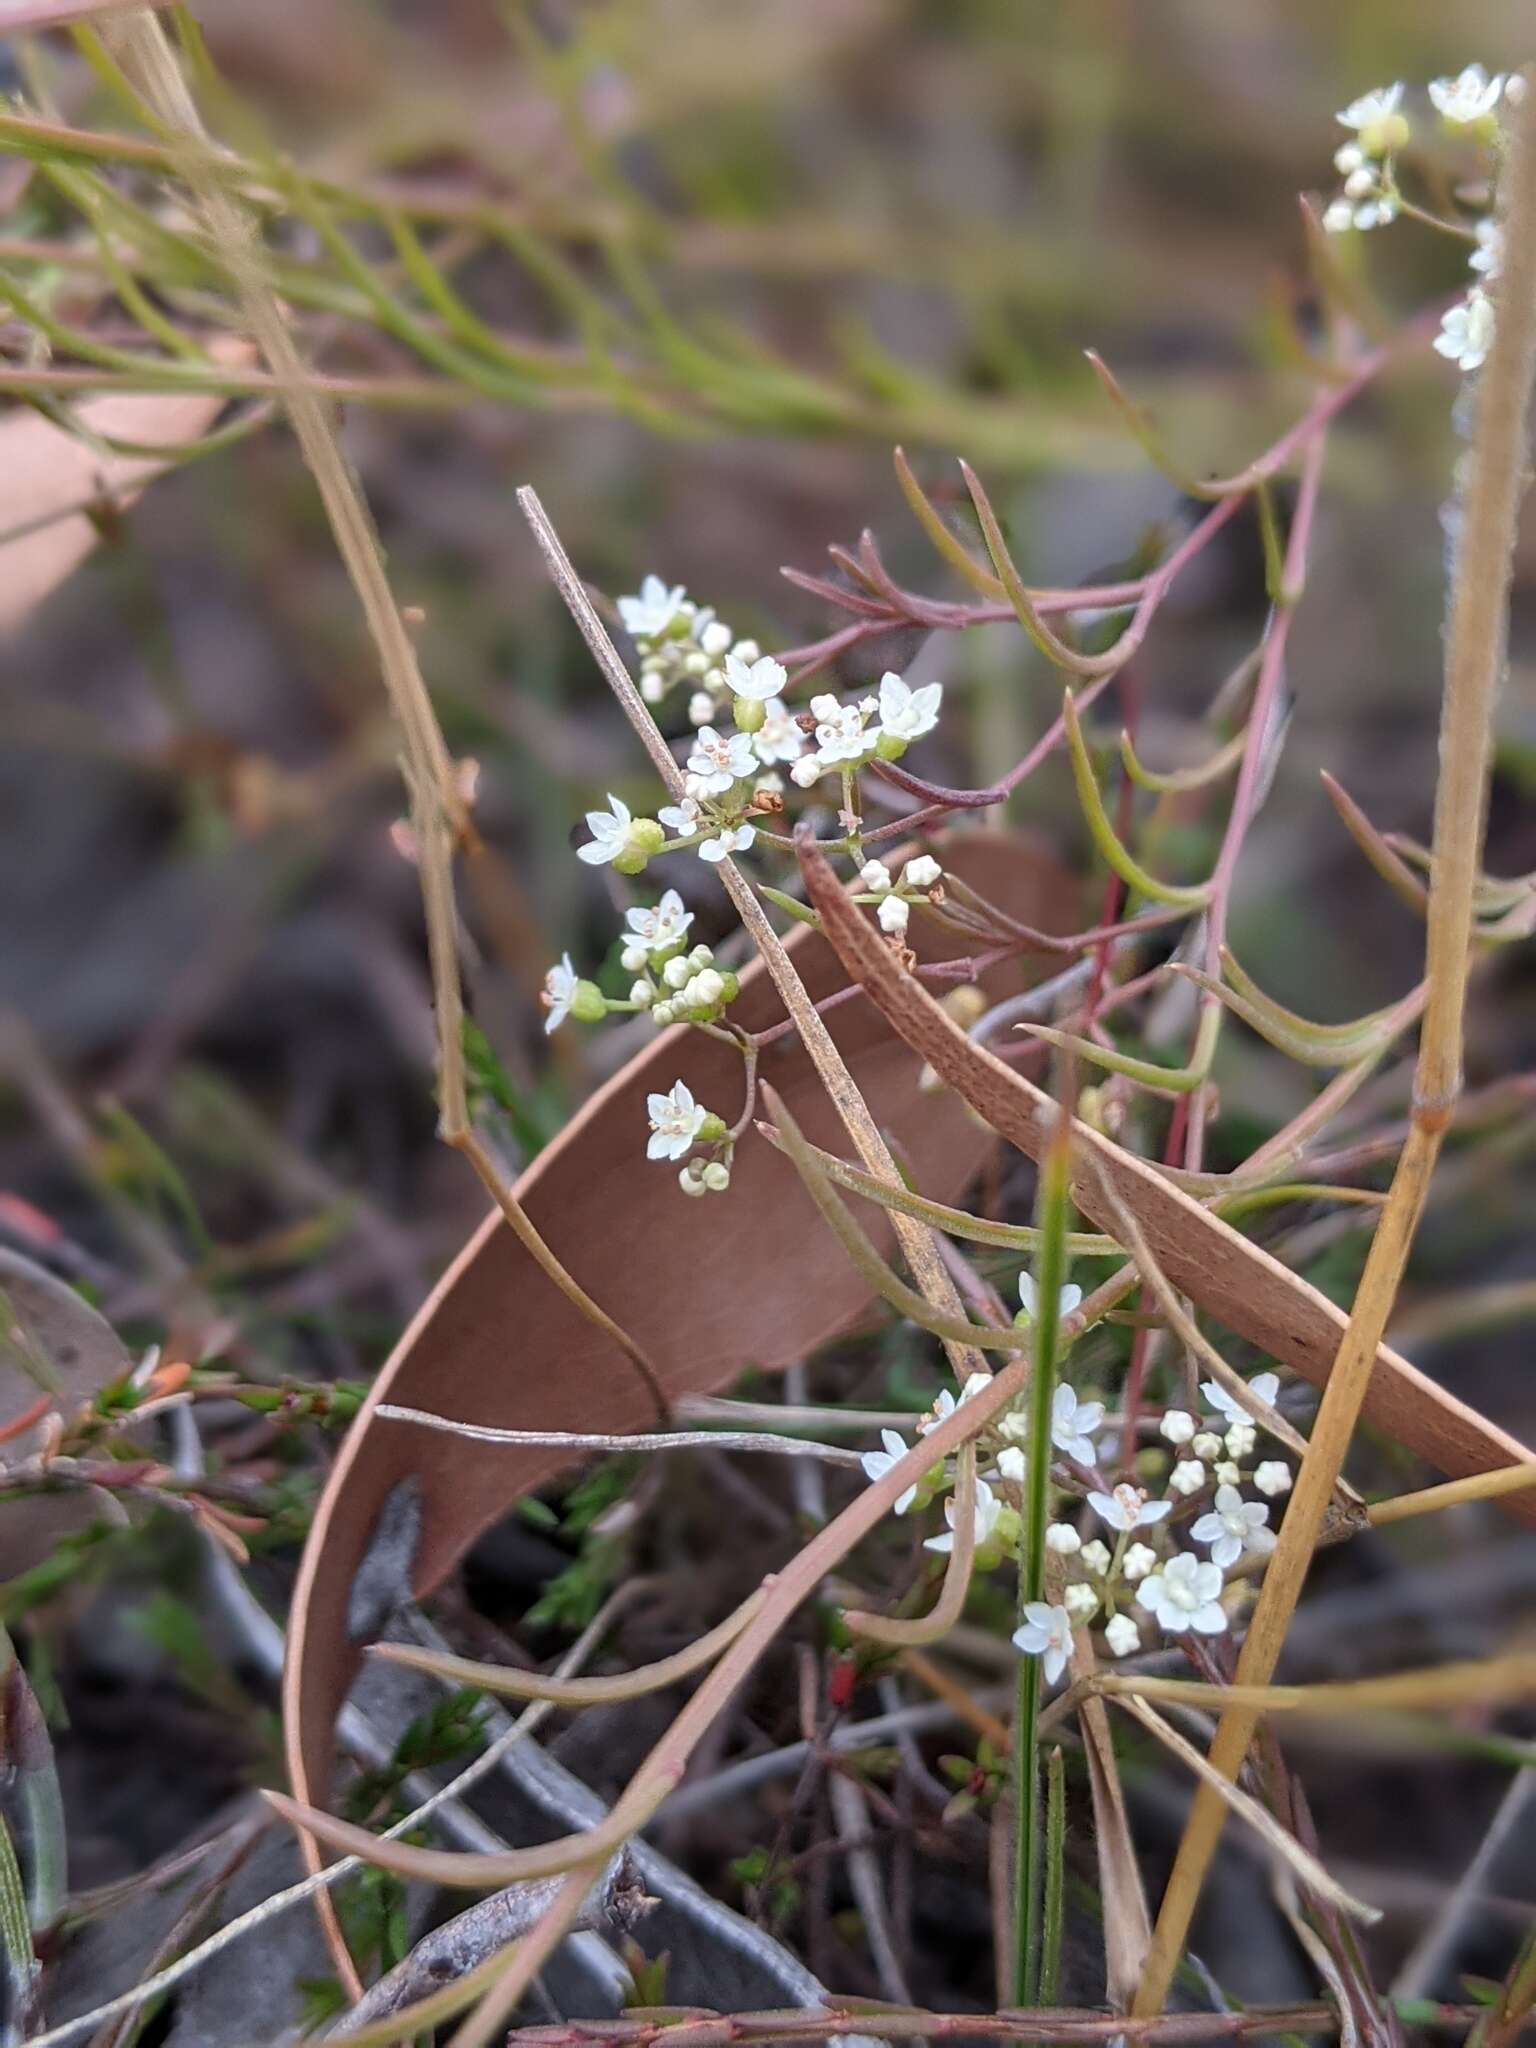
x: 757, y: 681
x: 808, y: 769
x: 1081, y: 1601
x: 1011, y: 1464
x: 1241, y: 1438
x: 1066, y: 1301
x: 1063, y: 1539
x: 1206, y: 1444
x: 1233, y: 1526
x: 1349, y: 156
x: 610, y: 833
x: 921, y: 873
x: 1128, y: 1508
x: 662, y: 927
x: 1467, y: 97
x: 1488, y: 257
x: 1096, y: 1558
x: 893, y: 915
x: 1228, y: 1474
x: 712, y: 634
x: 779, y: 737
x: 905, y: 713
x: 1046, y: 1633
x: 684, y: 818
x: 1338, y: 217
x: 701, y: 708
x: 840, y: 733
x: 1122, y: 1635
x: 1263, y: 1388
x: 653, y: 610
x: 1178, y: 1426
x: 676, y: 1120
x: 1273, y: 1477
x: 729, y: 839
x: 1074, y: 1423
x: 876, y: 877
x: 1183, y: 1595
x: 877, y: 1463
x: 1466, y: 331
x: 988, y: 1508
x: 559, y: 988
x: 945, y: 1404
x: 1138, y: 1561
x: 1187, y: 1477
x: 719, y: 759
x: 1371, y: 107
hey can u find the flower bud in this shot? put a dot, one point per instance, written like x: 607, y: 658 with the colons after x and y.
x: 747, y: 651
x: 717, y: 1176
x: 921, y: 873
x: 1080, y: 1601
x: 1206, y: 1445
x: 716, y: 637
x: 1138, y: 1561
x: 1095, y: 1557
x: 633, y: 959
x: 889, y: 747
x: 643, y: 993
x: 707, y: 987
x: 712, y: 1130
x: 663, y: 1013
x: 876, y: 877
x: 701, y: 708
x: 750, y: 713
x: 588, y: 1003
x: 1187, y: 1477
x: 730, y: 988
x: 678, y: 972
x: 696, y: 664
x: 1178, y: 1426
x: 653, y: 688
x: 893, y: 914
x: 691, y: 1179
x: 701, y: 956
x: 1063, y: 1539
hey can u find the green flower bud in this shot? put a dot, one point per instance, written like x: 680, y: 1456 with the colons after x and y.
x: 890, y: 747
x: 749, y: 713
x: 730, y: 987
x: 717, y: 1177
x: 588, y: 1003
x: 712, y: 1130
x: 1386, y: 136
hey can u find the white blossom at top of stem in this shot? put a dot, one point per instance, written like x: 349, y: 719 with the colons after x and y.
x: 718, y: 760
x: 729, y: 839
x: 1138, y: 1561
x: 876, y: 877
x: 1047, y: 1634
x: 1178, y: 1426
x: 1468, y: 97
x: 893, y: 914
x: 653, y: 611
x: 988, y: 1508
x: 1066, y: 1301
x: 758, y: 680
x: 1233, y: 1526
x: 676, y: 1120
x: 1376, y: 120
x: 662, y: 927
x: 559, y: 988
x: 1466, y: 331
x: 779, y: 737
x: 906, y: 713
x: 1265, y: 1386
x: 921, y: 873
x: 1128, y: 1508
x: 1063, y: 1539
x: 1272, y: 1477
x: 610, y: 833
x: 877, y: 1463
x: 1075, y: 1423
x: 1185, y: 1594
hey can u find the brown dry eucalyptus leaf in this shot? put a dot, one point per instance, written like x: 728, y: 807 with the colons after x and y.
x: 54, y: 1348
x: 708, y: 1288
x: 1235, y: 1281
x: 46, y: 472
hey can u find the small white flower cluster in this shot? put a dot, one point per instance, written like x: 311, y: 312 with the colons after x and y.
x: 1101, y: 1581
x: 1369, y: 198
x: 744, y: 732
x: 678, y: 641
x: 678, y: 1124
x: 881, y: 727
x: 894, y: 898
